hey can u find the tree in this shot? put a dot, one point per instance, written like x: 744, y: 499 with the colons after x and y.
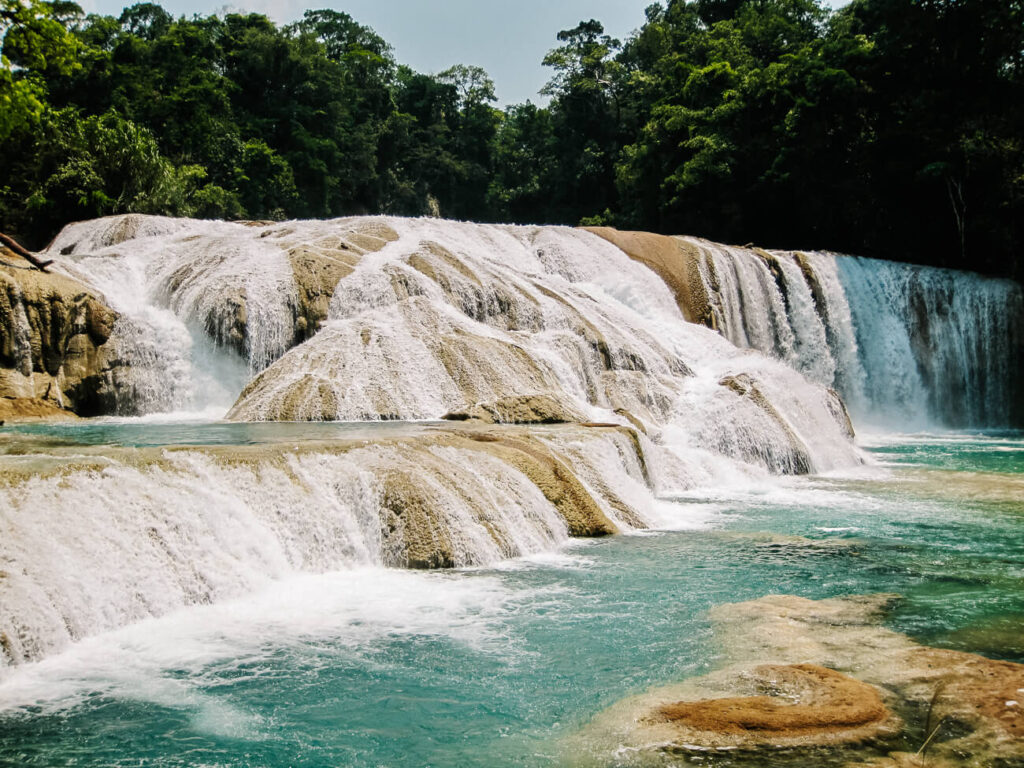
x: 96, y: 166
x: 33, y: 39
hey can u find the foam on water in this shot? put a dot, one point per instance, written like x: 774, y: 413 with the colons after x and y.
x: 163, y: 660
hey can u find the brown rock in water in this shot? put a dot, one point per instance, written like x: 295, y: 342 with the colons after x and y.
x: 807, y: 700
x: 411, y: 524
x: 520, y: 409
x: 416, y: 531
x: 800, y: 676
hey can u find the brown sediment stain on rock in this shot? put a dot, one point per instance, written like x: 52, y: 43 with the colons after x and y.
x: 837, y: 408
x: 317, y: 265
x: 481, y: 297
x: 432, y: 255
x: 311, y: 395
x: 809, y: 699
x: 558, y: 483
x: 674, y: 260
x: 320, y: 265
x: 474, y: 363
x: 814, y: 284
x: 628, y: 416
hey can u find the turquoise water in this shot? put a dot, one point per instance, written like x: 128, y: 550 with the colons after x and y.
x: 141, y: 433
x: 495, y: 667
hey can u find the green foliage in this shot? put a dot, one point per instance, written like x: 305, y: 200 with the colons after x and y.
x: 890, y: 127
x: 34, y: 40
x: 95, y: 166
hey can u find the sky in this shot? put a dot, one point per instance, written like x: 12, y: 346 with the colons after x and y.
x: 508, y: 38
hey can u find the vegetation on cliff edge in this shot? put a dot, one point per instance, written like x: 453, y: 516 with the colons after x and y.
x: 891, y: 128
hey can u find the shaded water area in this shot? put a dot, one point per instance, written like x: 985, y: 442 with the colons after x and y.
x: 500, y: 665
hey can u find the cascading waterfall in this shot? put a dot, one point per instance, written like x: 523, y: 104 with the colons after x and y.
x: 905, y: 345
x: 128, y: 534
x: 937, y: 344
x: 448, y: 315
x: 200, y: 309
x: 391, y: 319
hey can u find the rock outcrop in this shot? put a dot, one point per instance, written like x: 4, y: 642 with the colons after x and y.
x: 803, y: 680
x: 790, y: 458
x: 56, y: 352
x: 212, y: 278
x: 674, y: 260
x: 319, y: 266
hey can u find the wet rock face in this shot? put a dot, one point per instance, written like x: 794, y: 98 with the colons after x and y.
x: 793, y: 456
x: 822, y: 682
x: 675, y: 261
x: 56, y: 351
x: 317, y: 266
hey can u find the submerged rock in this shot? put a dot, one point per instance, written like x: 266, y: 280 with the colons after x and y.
x: 822, y: 681
x: 797, y: 703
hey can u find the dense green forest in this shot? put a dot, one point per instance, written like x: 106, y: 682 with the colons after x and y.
x: 892, y: 128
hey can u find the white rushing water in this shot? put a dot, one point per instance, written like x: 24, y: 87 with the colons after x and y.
x: 906, y: 346
x: 201, y: 309
x: 91, y: 550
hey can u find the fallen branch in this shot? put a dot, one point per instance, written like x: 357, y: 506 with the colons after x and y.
x: 13, y: 245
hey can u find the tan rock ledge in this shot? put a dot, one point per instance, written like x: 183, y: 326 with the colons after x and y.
x: 822, y: 683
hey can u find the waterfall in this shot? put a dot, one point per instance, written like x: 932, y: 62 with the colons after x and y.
x: 91, y: 543
x: 200, y: 309
x: 412, y: 319
x: 906, y: 346
x: 376, y: 319
x: 938, y: 345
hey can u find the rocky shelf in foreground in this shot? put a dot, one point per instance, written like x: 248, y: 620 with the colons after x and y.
x: 820, y: 682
